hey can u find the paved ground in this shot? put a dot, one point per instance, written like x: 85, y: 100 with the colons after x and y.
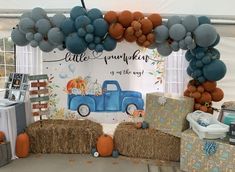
x: 85, y: 163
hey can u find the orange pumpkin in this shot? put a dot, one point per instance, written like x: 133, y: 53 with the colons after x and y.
x: 209, y: 85
x: 138, y: 15
x: 125, y: 18
x: 217, y: 95
x: 111, y: 17
x: 156, y: 19
x: 116, y: 30
x: 105, y: 145
x: 71, y: 84
x: 146, y: 26
x: 22, y: 145
x: 2, y: 136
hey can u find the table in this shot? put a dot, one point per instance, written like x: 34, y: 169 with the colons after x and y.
x: 13, y: 120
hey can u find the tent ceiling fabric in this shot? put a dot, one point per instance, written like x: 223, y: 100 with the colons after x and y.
x: 196, y: 7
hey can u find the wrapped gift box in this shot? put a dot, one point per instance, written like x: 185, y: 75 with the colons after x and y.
x: 193, y: 157
x: 167, y: 113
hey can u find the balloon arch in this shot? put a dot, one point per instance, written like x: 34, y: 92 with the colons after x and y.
x: 95, y: 31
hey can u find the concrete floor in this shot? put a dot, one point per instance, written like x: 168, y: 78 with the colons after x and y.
x: 84, y: 163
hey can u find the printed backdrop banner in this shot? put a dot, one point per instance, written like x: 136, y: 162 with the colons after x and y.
x: 105, y: 86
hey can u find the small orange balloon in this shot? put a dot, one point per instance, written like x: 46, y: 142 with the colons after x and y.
x: 136, y: 25
x: 130, y: 31
x: 192, y: 88
x: 125, y: 18
x: 200, y: 89
x: 209, y: 85
x: 111, y: 17
x: 138, y: 33
x: 116, y: 30
x: 196, y: 95
x: 146, y: 26
x: 187, y: 93
x: 156, y: 19
x: 205, y: 98
x: 138, y: 15
x: 141, y: 39
x: 151, y: 38
x: 130, y: 38
x: 146, y: 43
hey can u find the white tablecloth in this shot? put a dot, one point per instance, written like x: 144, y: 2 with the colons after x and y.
x: 8, y: 123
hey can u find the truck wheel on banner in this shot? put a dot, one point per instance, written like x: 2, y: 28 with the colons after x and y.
x: 83, y: 110
x: 130, y: 108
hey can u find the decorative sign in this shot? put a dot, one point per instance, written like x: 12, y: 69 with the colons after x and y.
x: 104, y: 87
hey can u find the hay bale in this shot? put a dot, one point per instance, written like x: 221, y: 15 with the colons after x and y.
x: 63, y: 136
x: 146, y: 143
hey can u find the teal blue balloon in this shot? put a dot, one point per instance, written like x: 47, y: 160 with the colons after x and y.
x: 26, y: 25
x: 77, y: 11
x: 173, y: 20
x: 189, y: 71
x: 81, y: 32
x: 18, y: 37
x: 161, y: 34
x: 188, y: 56
x: 101, y: 27
x: 91, y: 46
x: 153, y: 46
x: 90, y: 28
x: 109, y: 43
x: 38, y: 37
x: 177, y: 32
x: 75, y: 44
x: 192, y: 64
x: 26, y: 14
x: 97, y: 40
x: 82, y: 21
x: 55, y: 36
x: 188, y: 40
x: 204, y: 20
x: 197, y: 72
x: 29, y: 36
x: 199, y: 64
x: 61, y: 47
x: 164, y: 49
x: 43, y: 26
x: 182, y: 44
x: 200, y: 55
x: 190, y: 22
x: 34, y: 43
x: 191, y: 46
x: 89, y: 38
x: 38, y: 13
x: 46, y: 46
x: 201, y: 79
x: 67, y: 26
x: 206, y: 60
x: 99, y: 48
x: 215, y: 54
x: 205, y: 35
x: 175, y: 46
x: 57, y: 20
x: 94, y: 14
x: 214, y: 71
x: 216, y: 41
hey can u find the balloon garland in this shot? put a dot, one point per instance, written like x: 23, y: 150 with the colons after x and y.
x: 95, y: 31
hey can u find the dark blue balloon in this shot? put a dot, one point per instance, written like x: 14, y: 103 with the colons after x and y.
x: 82, y: 21
x: 67, y: 26
x: 109, y: 43
x: 91, y: 46
x: 97, y: 40
x: 99, y: 48
x: 206, y: 60
x: 216, y: 41
x: 77, y: 11
x: 189, y: 71
x: 200, y: 55
x: 199, y: 64
x: 90, y: 28
x: 81, y: 32
x: 204, y: 20
x: 201, y: 79
x: 94, y: 13
x: 101, y: 27
x: 214, y: 71
x: 192, y: 64
x: 215, y: 53
x: 189, y: 55
x: 89, y: 38
x: 75, y: 44
x: 198, y: 72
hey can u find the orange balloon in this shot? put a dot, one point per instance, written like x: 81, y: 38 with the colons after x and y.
x: 192, y: 88
x: 138, y: 15
x: 196, y: 95
x: 187, y: 93
x: 130, y: 38
x: 205, y: 98
x: 151, y: 38
x: 209, y: 85
x: 111, y: 17
x: 217, y: 95
x: 130, y: 31
x: 146, y: 26
x: 136, y: 25
x: 125, y: 18
x: 156, y: 19
x: 141, y: 39
x: 203, y: 108
x: 197, y: 106
x: 200, y: 89
x: 138, y: 33
x: 146, y: 43
x: 116, y: 30
x: 191, y: 82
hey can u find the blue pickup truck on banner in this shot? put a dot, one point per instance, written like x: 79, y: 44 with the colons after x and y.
x: 113, y: 99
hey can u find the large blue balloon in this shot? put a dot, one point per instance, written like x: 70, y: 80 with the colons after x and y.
x: 55, y: 36
x: 43, y: 26
x: 204, y: 20
x: 177, y: 32
x: 190, y: 22
x: 205, y: 35
x: 46, y: 46
x: 26, y: 25
x: 26, y: 14
x: 164, y: 49
x: 18, y: 37
x: 101, y: 27
x: 109, y: 43
x: 173, y: 20
x: 161, y: 33
x: 94, y: 13
x: 214, y: 71
x: 82, y: 21
x: 57, y: 19
x: 75, y: 44
x: 67, y: 26
x: 77, y: 11
x: 38, y: 13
